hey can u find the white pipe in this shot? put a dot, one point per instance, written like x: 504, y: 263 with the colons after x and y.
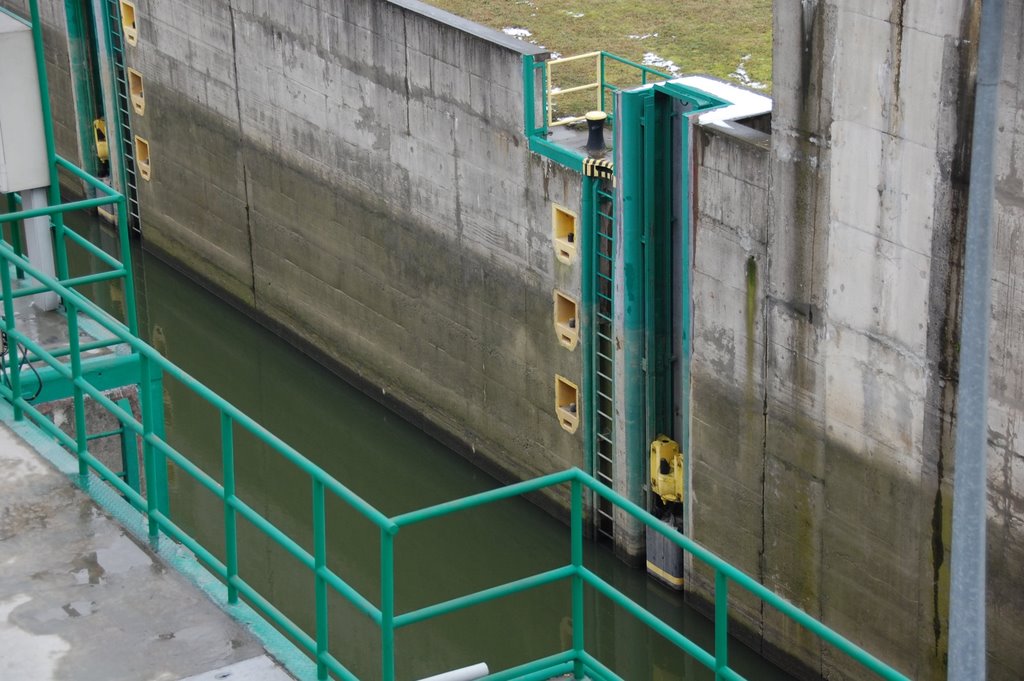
x: 477, y: 671
x: 39, y: 243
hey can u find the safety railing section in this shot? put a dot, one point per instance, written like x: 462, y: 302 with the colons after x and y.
x: 383, y: 612
x: 569, y: 78
x: 577, y: 95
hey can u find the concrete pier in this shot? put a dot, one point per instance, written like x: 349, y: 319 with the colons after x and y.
x: 81, y: 598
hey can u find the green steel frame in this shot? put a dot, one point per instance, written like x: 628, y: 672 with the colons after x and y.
x: 382, y: 612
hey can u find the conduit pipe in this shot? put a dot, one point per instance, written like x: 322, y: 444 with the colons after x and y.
x: 967, y: 590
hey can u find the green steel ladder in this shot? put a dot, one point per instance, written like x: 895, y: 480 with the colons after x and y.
x: 603, y: 348
x: 129, y: 176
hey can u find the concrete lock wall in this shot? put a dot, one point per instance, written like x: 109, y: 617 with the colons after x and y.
x: 356, y: 173
x: 826, y: 336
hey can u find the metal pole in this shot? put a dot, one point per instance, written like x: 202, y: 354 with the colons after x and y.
x: 967, y: 592
x: 578, y: 621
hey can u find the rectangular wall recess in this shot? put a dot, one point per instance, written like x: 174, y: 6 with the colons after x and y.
x: 563, y: 225
x: 136, y: 92
x: 142, y: 158
x: 566, y: 320
x: 567, y: 403
x: 128, y: 26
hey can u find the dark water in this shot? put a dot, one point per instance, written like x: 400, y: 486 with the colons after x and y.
x: 397, y: 468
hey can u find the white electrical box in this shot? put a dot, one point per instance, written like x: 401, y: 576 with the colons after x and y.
x: 22, y: 140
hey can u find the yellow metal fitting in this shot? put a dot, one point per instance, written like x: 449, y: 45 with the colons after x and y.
x: 667, y: 469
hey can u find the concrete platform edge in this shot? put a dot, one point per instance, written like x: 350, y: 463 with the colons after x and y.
x: 177, y: 557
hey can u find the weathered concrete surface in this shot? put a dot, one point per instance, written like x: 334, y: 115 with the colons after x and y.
x: 355, y: 172
x: 826, y: 333
x: 1006, y: 391
x: 80, y: 599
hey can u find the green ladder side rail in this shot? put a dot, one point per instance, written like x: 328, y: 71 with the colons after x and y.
x: 111, y: 22
x: 381, y: 610
x: 599, y: 366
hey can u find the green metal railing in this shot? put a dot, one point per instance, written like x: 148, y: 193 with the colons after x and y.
x: 381, y: 610
x: 602, y: 87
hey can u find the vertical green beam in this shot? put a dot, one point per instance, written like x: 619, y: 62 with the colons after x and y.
x: 154, y: 386
x: 529, y: 102
x: 129, y: 455
x: 586, y: 317
x: 227, y: 449
x: 81, y: 81
x: 12, y: 344
x: 320, y: 566
x: 578, y: 621
x: 631, y: 229
x: 387, y: 604
x: 649, y: 256
x: 721, y: 624
x: 152, y: 487
x: 53, y: 194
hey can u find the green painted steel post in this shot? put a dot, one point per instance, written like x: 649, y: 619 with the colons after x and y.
x: 53, y: 191
x: 12, y: 344
x: 721, y: 623
x: 603, y: 89
x: 227, y: 450
x: 387, y: 604
x: 586, y: 320
x: 529, y: 103
x: 630, y: 175
x: 82, y: 86
x: 578, y: 621
x: 154, y: 385
x: 12, y: 206
x: 152, y: 487
x: 320, y: 565
x: 78, y: 395
x: 129, y: 456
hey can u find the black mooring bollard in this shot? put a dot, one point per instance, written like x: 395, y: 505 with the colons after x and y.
x: 595, y: 139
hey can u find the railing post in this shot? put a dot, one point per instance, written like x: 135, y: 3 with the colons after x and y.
x: 227, y: 444
x: 721, y: 623
x: 578, y: 641
x: 12, y: 343
x: 152, y: 486
x: 529, y: 105
x: 74, y: 346
x: 129, y: 456
x: 387, y: 604
x: 320, y: 565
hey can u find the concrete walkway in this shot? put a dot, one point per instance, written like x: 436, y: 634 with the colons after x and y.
x: 81, y: 599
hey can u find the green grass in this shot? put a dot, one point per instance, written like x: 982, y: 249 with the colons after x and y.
x: 699, y: 36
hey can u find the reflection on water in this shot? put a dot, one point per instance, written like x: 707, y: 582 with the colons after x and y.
x: 397, y: 468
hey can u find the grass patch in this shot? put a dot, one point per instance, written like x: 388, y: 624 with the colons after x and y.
x: 714, y: 37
